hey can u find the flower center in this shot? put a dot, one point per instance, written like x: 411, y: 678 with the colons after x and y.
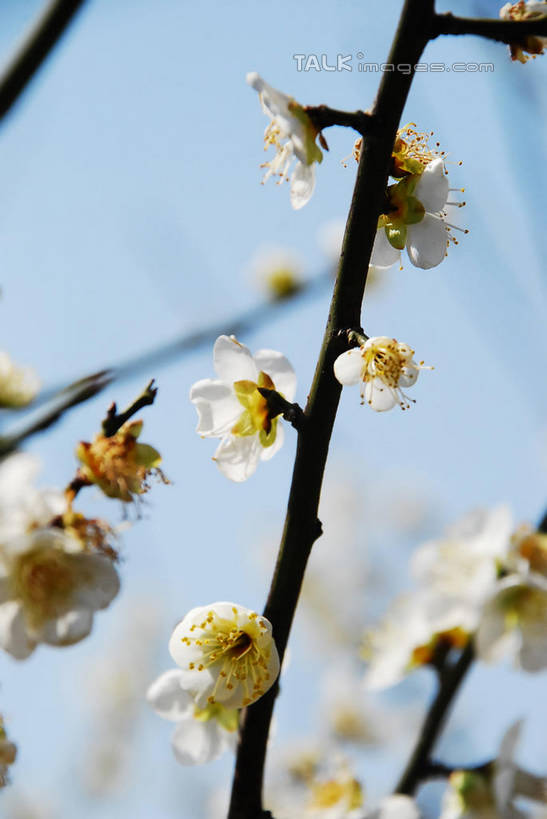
x: 384, y: 361
x: 256, y: 417
x: 44, y: 582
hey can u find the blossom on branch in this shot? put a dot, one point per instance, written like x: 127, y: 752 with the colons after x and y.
x: 18, y: 385
x: 231, y: 407
x: 226, y: 653
x: 292, y: 133
x: 529, y: 45
x: 383, y: 366
x: 201, y: 734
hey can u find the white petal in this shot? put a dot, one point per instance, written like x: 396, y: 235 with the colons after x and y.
x: 427, y: 241
x: 348, y: 367
x: 101, y: 582
x: 432, y: 189
x: 233, y: 361
x: 409, y: 376
x: 195, y: 742
x: 237, y: 457
x: 380, y: 397
x: 302, y: 184
x: 383, y: 255
x: 217, y: 407
x: 280, y: 371
x: 13, y: 632
x: 397, y: 807
x: 492, y: 641
x: 68, y: 629
x: 168, y: 698
x: 268, y: 452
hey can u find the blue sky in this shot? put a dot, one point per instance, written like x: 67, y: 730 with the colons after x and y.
x: 130, y: 206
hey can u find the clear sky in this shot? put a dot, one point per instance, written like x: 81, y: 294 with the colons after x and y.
x: 130, y: 206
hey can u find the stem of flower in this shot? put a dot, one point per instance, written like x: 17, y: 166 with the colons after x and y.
x: 324, y: 117
x: 504, y: 31
x: 277, y: 405
x: 301, y: 524
x: 40, y: 41
x: 114, y: 421
x: 419, y: 766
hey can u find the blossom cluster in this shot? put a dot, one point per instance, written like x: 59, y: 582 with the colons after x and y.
x: 227, y: 660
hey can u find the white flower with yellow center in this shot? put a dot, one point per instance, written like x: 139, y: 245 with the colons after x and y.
x: 226, y: 653
x: 292, y: 133
x: 201, y: 734
x: 232, y: 408
x: 529, y: 45
x: 49, y: 590
x: 18, y: 385
x: 417, y: 219
x: 383, y: 366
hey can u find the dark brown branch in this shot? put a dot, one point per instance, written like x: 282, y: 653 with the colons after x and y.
x: 419, y: 765
x: 114, y: 420
x: 38, y: 43
x: 301, y: 529
x: 323, y: 117
x: 504, y: 31
x: 277, y: 405
x: 89, y: 388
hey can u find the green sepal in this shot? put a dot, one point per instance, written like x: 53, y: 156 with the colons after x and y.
x: 396, y: 236
x: 147, y: 456
x: 415, y: 211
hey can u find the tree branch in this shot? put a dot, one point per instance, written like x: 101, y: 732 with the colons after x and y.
x: 504, y: 31
x: 323, y: 117
x: 301, y: 524
x: 38, y: 43
x: 419, y: 766
x: 114, y: 420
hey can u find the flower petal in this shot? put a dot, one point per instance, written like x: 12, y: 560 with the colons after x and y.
x: 348, y: 367
x: 68, y: 629
x: 233, y: 361
x: 238, y: 457
x: 100, y: 582
x: 384, y: 255
x: 13, y: 631
x: 432, y: 188
x: 167, y: 696
x: 427, y: 242
x: 302, y: 184
x: 280, y: 371
x: 217, y: 407
x: 379, y: 396
x: 195, y: 742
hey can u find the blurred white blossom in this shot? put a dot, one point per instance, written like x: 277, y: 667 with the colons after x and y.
x: 529, y: 46
x: 18, y: 385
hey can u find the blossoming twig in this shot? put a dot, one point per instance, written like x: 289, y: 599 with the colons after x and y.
x: 114, y: 420
x: 504, y: 31
x: 41, y: 39
x: 278, y: 405
x: 323, y: 117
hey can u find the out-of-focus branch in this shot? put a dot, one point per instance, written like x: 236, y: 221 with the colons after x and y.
x: 504, y: 31
x: 301, y: 524
x: 419, y: 766
x: 37, y: 44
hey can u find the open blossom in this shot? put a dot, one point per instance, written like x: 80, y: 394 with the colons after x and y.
x: 529, y: 45
x: 292, y: 133
x: 383, y: 366
x: 231, y: 407
x: 489, y: 793
x: 226, y: 653
x: 416, y: 220
x: 18, y: 385
x: 23, y: 506
x: 119, y: 464
x: 49, y: 590
x: 201, y: 734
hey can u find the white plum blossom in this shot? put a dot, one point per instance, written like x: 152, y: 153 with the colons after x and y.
x: 231, y: 407
x: 395, y: 807
x: 201, y: 734
x: 529, y: 45
x: 226, y: 653
x: 18, y: 385
x: 489, y: 793
x: 383, y: 366
x: 278, y: 271
x: 24, y: 507
x: 292, y: 133
x: 49, y: 590
x: 417, y: 220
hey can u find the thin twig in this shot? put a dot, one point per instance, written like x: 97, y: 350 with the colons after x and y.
x: 301, y: 524
x: 278, y: 405
x: 418, y: 767
x: 504, y: 31
x: 323, y: 117
x: 37, y: 44
x: 114, y: 420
